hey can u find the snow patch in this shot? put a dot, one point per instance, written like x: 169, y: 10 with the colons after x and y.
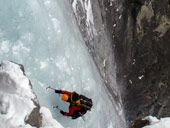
x: 43, y: 64
x: 4, y: 47
x: 47, y: 119
x: 16, y: 99
x: 156, y: 123
x: 140, y: 77
x: 20, y: 47
x: 15, y: 96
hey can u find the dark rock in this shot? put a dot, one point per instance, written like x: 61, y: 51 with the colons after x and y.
x: 35, y: 118
x: 136, y: 32
x: 142, y: 50
x: 139, y: 123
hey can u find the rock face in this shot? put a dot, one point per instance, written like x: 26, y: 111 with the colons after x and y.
x: 137, y: 32
x: 35, y: 118
x: 141, y: 31
x: 98, y: 43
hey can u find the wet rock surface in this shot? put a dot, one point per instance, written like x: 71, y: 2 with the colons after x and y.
x: 139, y: 123
x: 135, y: 34
x: 98, y: 43
x: 142, y: 50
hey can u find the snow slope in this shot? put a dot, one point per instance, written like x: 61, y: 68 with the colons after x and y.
x: 16, y: 99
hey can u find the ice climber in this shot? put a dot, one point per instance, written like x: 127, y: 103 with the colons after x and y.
x: 79, y: 104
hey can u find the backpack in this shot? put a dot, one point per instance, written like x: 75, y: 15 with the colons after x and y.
x: 81, y: 100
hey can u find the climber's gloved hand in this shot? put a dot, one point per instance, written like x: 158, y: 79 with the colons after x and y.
x: 62, y: 112
x: 57, y: 91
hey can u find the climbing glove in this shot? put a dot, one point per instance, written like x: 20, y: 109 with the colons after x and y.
x: 62, y: 112
x: 57, y: 91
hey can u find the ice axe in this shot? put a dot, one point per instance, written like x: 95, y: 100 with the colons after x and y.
x: 50, y: 88
x: 57, y: 108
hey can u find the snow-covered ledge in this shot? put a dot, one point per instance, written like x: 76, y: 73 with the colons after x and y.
x: 18, y: 104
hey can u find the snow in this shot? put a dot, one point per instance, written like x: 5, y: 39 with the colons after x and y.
x: 16, y: 99
x: 20, y: 48
x: 15, y: 96
x: 140, y: 77
x: 130, y: 81
x: 114, y: 25
x: 87, y: 8
x: 47, y: 119
x: 4, y: 46
x: 156, y: 123
x: 120, y: 16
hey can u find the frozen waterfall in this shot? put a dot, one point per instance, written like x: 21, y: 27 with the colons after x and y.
x: 44, y: 37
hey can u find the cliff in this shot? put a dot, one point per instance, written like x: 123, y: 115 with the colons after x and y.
x: 134, y: 34
x: 142, y: 52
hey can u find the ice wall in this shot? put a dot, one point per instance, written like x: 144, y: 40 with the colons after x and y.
x: 43, y: 36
